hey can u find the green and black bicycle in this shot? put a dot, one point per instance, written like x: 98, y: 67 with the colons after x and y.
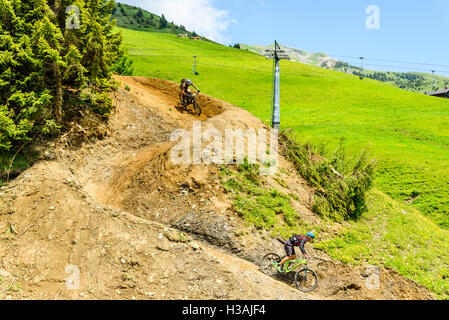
x: 306, y: 280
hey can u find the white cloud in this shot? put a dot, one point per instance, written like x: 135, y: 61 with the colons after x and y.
x: 198, y: 15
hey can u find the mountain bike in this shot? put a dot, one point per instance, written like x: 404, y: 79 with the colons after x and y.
x: 306, y: 280
x: 187, y: 100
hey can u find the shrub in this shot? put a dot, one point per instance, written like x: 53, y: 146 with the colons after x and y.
x: 124, y: 66
x: 340, y: 184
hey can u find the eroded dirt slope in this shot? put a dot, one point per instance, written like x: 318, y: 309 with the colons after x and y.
x: 136, y: 226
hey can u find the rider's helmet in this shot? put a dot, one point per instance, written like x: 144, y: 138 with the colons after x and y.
x: 311, y: 235
x: 188, y: 81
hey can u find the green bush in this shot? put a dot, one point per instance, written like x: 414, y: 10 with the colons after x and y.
x: 100, y: 102
x: 50, y: 128
x: 340, y: 184
x: 124, y: 66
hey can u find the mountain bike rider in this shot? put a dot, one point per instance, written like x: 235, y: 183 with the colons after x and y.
x: 295, y: 241
x: 185, y: 84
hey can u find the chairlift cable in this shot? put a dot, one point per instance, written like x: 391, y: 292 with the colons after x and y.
x: 340, y: 56
x: 412, y: 69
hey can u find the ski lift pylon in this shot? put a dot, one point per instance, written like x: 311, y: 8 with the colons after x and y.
x: 194, y: 67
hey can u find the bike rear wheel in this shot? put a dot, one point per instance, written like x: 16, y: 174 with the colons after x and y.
x: 266, y: 265
x: 306, y: 280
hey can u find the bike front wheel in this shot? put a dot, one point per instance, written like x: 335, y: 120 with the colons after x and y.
x: 197, y: 108
x: 267, y: 264
x: 306, y: 280
x: 181, y: 99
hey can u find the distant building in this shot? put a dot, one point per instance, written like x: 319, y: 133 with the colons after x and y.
x: 195, y: 38
x: 444, y: 93
x: 183, y: 35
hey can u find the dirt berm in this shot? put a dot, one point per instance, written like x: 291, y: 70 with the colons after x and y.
x: 107, y: 215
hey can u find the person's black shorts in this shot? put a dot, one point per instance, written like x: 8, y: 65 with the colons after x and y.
x: 289, y: 249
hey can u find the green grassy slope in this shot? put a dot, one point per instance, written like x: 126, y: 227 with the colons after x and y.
x: 406, y: 132
x: 129, y: 18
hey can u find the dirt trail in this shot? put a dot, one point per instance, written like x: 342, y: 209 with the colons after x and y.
x: 126, y: 221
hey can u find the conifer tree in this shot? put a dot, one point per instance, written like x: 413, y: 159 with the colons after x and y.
x: 44, y: 65
x: 163, y: 23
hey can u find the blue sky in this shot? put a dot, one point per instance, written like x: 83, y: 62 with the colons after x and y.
x: 410, y: 31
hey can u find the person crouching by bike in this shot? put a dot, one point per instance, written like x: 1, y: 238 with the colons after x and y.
x: 185, y: 84
x: 295, y: 241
